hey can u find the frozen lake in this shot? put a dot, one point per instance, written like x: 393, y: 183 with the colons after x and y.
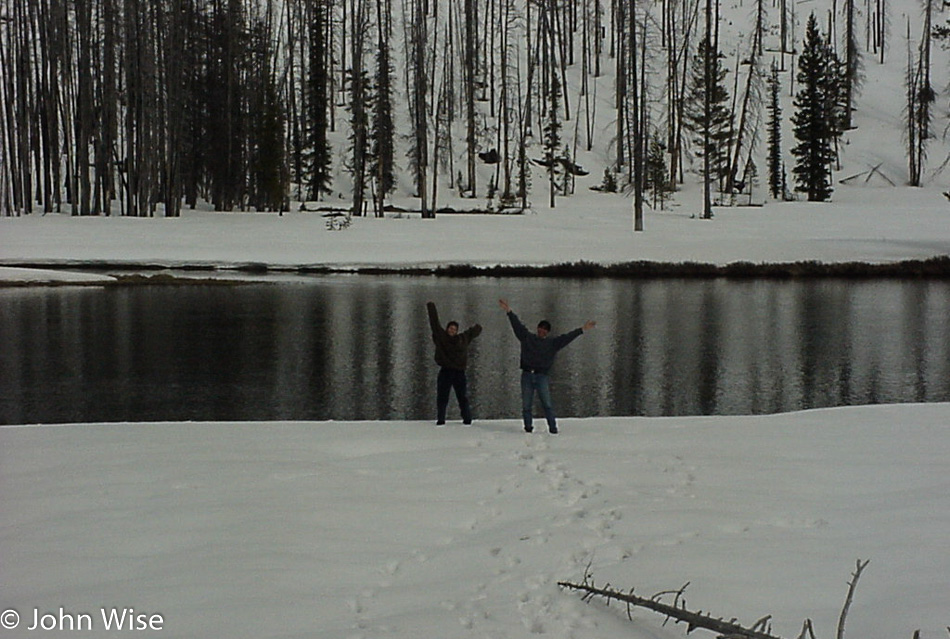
x: 358, y: 347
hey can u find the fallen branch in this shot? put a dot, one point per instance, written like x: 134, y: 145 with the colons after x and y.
x: 807, y: 630
x: 726, y: 629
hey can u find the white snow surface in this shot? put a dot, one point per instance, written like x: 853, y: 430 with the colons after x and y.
x: 42, y: 275
x: 865, y: 224
x: 373, y: 530
x: 406, y: 530
x: 377, y: 530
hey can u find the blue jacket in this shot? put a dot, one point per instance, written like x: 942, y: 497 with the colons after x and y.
x: 537, y: 353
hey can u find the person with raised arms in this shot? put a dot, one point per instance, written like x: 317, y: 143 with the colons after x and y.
x: 538, y: 351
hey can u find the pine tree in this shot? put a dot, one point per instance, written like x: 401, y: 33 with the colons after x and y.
x: 360, y: 90
x: 836, y: 91
x: 318, y: 177
x: 814, y: 125
x: 383, y: 129
x: 776, y: 167
x: 227, y: 120
x: 656, y: 173
x: 270, y: 181
x: 712, y: 133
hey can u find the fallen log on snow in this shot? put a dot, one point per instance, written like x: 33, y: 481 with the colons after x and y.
x: 677, y: 610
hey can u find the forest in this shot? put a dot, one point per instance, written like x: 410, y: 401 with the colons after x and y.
x: 143, y: 107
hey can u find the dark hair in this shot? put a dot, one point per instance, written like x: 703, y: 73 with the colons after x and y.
x: 452, y: 323
x: 546, y: 325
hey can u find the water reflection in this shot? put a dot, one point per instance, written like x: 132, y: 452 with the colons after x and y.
x: 358, y: 348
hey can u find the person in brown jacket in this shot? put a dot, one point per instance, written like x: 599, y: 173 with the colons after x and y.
x: 451, y: 354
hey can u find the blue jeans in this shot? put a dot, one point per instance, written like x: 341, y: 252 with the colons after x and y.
x: 448, y: 379
x: 531, y: 382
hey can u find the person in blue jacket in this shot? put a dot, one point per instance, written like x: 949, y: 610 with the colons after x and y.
x: 537, y: 357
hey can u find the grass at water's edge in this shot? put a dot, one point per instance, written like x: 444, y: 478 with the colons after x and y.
x: 936, y: 267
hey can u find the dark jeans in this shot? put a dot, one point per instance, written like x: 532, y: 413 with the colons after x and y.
x: 531, y: 382
x: 448, y: 379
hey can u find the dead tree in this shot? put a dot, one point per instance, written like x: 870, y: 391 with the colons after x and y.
x: 678, y: 611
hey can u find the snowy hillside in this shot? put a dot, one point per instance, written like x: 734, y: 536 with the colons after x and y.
x: 401, y: 530
x: 872, y: 154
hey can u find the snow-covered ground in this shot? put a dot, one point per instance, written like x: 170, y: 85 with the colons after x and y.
x: 864, y: 224
x: 399, y: 529
x: 405, y: 530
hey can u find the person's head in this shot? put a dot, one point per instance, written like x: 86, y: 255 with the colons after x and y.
x: 452, y: 328
x: 544, y: 327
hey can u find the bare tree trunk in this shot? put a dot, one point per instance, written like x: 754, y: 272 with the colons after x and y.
x: 505, y: 110
x: 469, y: 75
x: 637, y: 123
x: 708, y: 73
x: 358, y: 104
x: 420, y: 92
x: 83, y: 110
x: 851, y: 62
x: 750, y: 103
x: 108, y: 121
x: 173, y: 45
x: 621, y: 87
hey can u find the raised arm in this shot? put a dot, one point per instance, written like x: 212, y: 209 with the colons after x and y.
x: 473, y: 331
x: 433, y: 318
x: 520, y: 331
x: 566, y: 338
x: 563, y: 340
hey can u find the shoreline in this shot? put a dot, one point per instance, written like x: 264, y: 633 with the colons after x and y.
x: 134, y: 274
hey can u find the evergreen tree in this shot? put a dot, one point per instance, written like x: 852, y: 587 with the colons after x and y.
x: 567, y: 176
x: 776, y: 168
x: 270, y: 180
x: 226, y: 96
x: 712, y: 133
x: 360, y: 151
x: 814, y: 126
x: 609, y: 185
x: 837, y: 96
x: 656, y: 173
x: 383, y: 129
x: 360, y: 94
x: 318, y: 178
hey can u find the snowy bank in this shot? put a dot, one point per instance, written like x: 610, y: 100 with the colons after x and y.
x: 404, y: 530
x: 32, y: 276
x: 862, y: 225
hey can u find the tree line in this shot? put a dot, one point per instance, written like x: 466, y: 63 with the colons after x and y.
x: 148, y: 106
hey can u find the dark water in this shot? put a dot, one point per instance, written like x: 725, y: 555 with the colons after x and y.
x: 358, y: 347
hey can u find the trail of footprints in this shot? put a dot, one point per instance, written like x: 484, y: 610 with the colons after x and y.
x: 537, y: 601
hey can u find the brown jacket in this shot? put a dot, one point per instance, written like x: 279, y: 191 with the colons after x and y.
x: 450, y: 351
